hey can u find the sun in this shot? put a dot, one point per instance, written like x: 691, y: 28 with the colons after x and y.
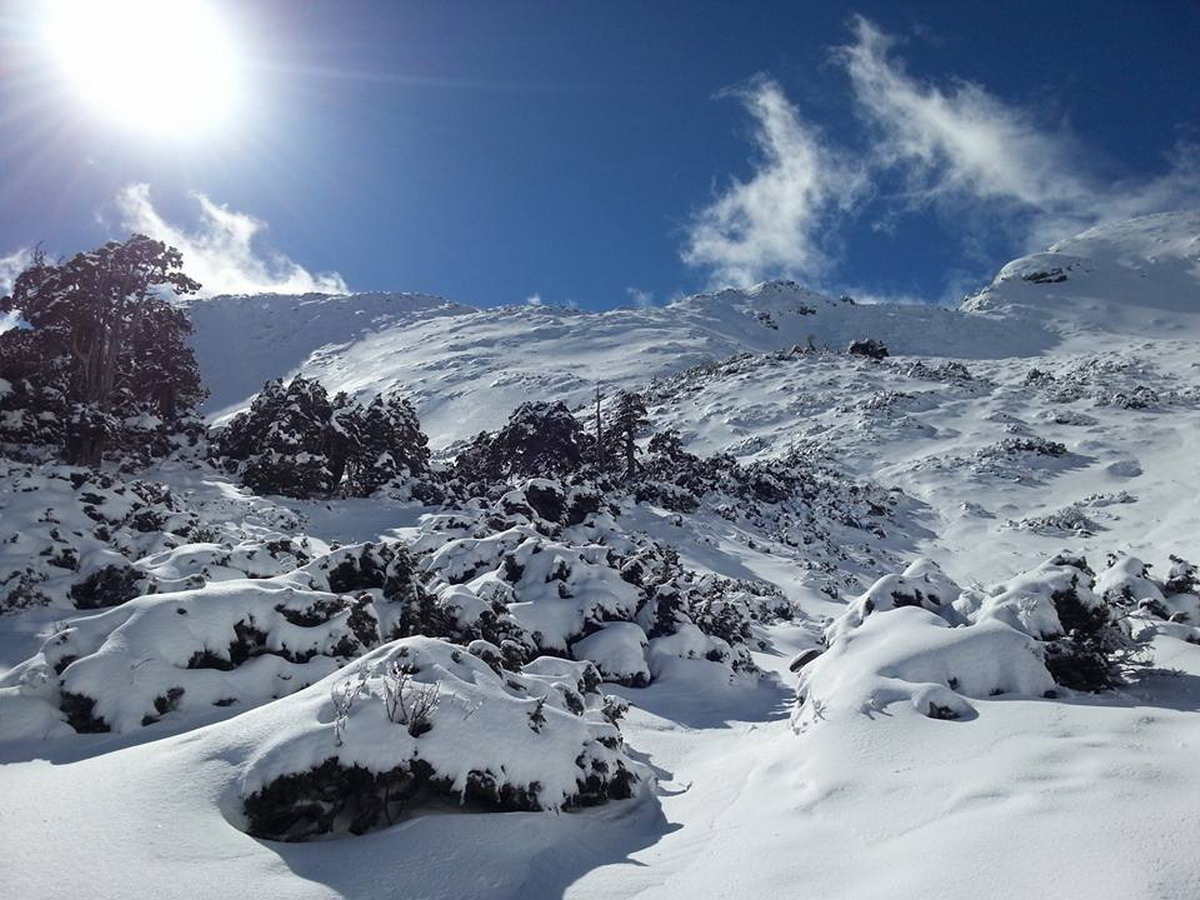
x: 166, y: 67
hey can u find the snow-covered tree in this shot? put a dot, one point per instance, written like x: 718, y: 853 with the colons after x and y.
x: 281, y: 444
x: 295, y: 441
x: 628, y: 420
x: 540, y: 439
x: 102, y: 348
x: 345, y: 433
x: 389, y: 443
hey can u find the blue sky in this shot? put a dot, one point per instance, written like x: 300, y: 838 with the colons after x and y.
x: 604, y: 153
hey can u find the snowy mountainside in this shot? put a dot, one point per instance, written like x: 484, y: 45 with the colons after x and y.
x: 251, y: 338
x: 862, y: 609
x: 1139, y: 277
x: 1019, y: 455
x: 465, y: 368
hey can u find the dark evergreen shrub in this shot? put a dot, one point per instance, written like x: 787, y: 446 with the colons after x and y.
x: 109, y: 586
x: 389, y: 444
x: 540, y: 440
x: 870, y: 348
x: 294, y: 441
x: 1093, y: 650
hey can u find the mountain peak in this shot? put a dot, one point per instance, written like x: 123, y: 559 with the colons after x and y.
x: 1137, y: 276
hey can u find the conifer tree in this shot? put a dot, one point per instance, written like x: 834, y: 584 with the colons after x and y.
x: 540, y: 439
x: 390, y: 443
x: 628, y: 420
x: 281, y: 444
x: 102, y: 346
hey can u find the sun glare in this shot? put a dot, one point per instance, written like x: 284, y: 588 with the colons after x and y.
x: 168, y: 67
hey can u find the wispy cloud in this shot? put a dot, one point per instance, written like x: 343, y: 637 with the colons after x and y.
x: 957, y: 143
x: 954, y: 147
x: 640, y: 298
x: 957, y: 140
x: 222, y: 251
x: 771, y: 225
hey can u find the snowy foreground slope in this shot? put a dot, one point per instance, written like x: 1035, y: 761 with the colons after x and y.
x: 931, y: 750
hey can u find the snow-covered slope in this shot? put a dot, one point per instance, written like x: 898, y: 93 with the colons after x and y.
x: 466, y: 368
x: 1055, y: 417
x: 1139, y: 277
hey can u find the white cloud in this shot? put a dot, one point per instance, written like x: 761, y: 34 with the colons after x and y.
x: 771, y: 225
x: 221, y: 252
x: 1002, y: 177
x: 534, y: 300
x: 957, y: 284
x: 13, y: 265
x: 959, y: 144
x: 640, y: 298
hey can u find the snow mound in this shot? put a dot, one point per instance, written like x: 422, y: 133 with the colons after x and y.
x: 73, y: 537
x: 420, y: 722
x: 593, y: 590
x: 1127, y: 583
x: 918, y: 638
x: 903, y: 640
x: 619, y: 651
x: 234, y: 643
x: 60, y: 527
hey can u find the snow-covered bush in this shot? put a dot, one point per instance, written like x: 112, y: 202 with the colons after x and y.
x: 1070, y: 521
x: 912, y: 655
x: 794, y: 486
x: 905, y: 640
x: 1127, y: 583
x: 1114, y: 381
x: 1021, y: 446
x: 32, y: 415
x: 344, y: 756
x: 296, y: 442
x: 922, y: 584
x: 618, y: 649
x: 70, y: 536
x: 870, y: 348
x: 540, y: 439
x: 918, y: 637
x: 527, y: 584
x: 195, y: 564
x: 237, y: 642
x: 1086, y: 641
x: 557, y: 590
x: 402, y: 601
x: 950, y: 371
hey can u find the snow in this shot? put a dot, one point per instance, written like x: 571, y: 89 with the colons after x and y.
x: 128, y: 658
x: 436, y: 714
x: 619, y: 651
x: 465, y: 369
x: 915, y: 753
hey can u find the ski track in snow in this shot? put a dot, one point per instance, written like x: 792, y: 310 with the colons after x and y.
x: 1082, y: 796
